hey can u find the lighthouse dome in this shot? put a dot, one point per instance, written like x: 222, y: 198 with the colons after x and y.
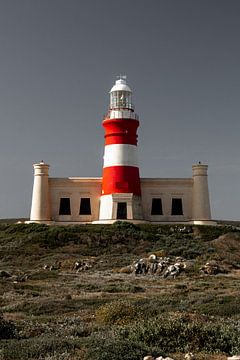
x: 121, y: 85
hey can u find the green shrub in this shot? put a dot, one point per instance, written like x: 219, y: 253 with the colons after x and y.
x: 118, y: 349
x: 48, y: 307
x: 37, y: 347
x: 208, y: 233
x: 44, y: 275
x: 115, y: 288
x: 183, y: 334
x: 7, y: 329
x: 124, y: 225
x: 25, y: 228
x: 117, y: 312
x: 81, y: 331
x: 227, y: 306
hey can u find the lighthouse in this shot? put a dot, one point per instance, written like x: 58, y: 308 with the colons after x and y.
x: 121, y: 190
x: 120, y: 194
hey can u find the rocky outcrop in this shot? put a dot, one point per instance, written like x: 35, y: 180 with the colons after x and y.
x: 212, y: 268
x: 154, y: 265
x: 188, y: 356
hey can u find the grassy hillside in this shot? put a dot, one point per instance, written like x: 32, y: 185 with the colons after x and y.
x: 104, y: 313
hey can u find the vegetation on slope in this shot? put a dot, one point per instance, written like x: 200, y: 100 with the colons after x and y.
x: 102, y: 314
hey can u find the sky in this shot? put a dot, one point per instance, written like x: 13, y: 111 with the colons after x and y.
x: 60, y: 58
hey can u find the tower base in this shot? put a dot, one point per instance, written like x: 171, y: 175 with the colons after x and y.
x: 120, y: 206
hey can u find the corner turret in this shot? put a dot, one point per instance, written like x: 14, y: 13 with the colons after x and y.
x: 201, y: 205
x: 40, y: 210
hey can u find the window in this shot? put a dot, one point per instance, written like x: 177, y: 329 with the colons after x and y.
x: 65, y: 208
x: 177, y: 208
x: 156, y: 207
x: 122, y: 210
x: 85, y: 206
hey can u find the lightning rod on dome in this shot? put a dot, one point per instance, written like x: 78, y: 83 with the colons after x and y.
x: 122, y: 77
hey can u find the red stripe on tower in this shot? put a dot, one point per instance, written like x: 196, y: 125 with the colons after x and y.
x: 120, y: 169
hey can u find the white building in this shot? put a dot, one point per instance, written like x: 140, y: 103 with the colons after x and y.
x: 120, y: 194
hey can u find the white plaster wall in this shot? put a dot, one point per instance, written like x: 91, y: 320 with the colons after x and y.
x: 137, y: 208
x: 166, y: 189
x: 75, y: 189
x: 106, y: 207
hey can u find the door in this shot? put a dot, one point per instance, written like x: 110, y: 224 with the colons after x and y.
x: 122, y: 210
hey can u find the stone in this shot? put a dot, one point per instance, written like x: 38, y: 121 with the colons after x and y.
x: 189, y: 356
x: 149, y: 357
x: 4, y: 274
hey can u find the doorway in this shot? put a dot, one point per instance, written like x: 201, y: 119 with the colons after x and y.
x: 121, y: 210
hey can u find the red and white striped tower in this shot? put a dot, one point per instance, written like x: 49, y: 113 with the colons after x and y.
x: 121, y: 191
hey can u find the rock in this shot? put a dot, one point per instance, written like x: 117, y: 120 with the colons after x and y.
x: 84, y: 267
x: 158, y: 265
x: 173, y: 270
x: 55, y: 266
x: 126, y: 270
x: 152, y: 258
x: 21, y: 278
x: 4, y: 274
x: 212, y: 268
x: 81, y: 266
x: 77, y: 265
x: 189, y: 356
x: 148, y: 357
x: 235, y: 357
x: 141, y: 267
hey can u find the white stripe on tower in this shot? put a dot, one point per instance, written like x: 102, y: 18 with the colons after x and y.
x: 120, y: 155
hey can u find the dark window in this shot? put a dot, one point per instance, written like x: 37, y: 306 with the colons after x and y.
x: 85, y: 206
x: 177, y: 208
x: 122, y: 210
x: 65, y: 208
x: 156, y: 207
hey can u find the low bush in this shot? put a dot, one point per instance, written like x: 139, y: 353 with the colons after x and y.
x: 125, y: 225
x: 117, y: 312
x: 37, y: 348
x: 180, y: 334
x: 208, y: 233
x: 227, y: 306
x: 118, y: 349
x: 24, y: 228
x: 7, y: 329
x: 57, y: 356
x: 48, y: 307
x: 115, y: 288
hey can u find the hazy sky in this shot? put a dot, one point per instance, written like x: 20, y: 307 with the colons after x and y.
x: 59, y: 59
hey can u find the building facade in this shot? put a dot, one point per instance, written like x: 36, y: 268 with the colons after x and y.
x: 120, y: 194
